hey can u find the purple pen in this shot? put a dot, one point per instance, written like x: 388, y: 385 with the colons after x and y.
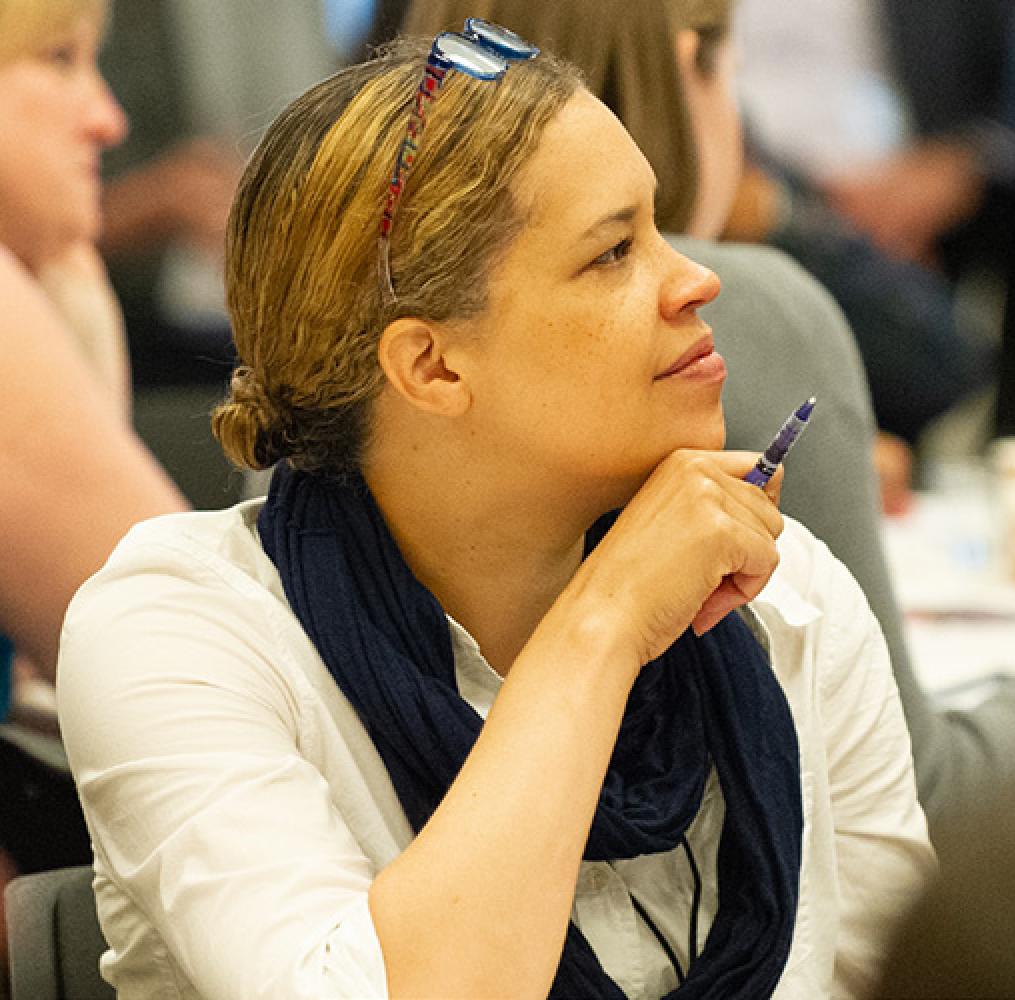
x: 773, y: 455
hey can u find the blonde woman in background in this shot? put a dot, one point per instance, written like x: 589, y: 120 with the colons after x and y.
x: 73, y: 477
x: 55, y: 125
x: 74, y: 463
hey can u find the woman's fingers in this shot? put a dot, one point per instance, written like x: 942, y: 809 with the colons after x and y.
x: 741, y: 586
x: 695, y: 542
x: 724, y: 599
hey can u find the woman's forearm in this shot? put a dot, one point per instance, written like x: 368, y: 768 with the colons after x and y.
x: 74, y: 477
x: 478, y: 905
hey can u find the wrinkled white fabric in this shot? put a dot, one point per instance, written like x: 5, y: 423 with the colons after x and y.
x: 239, y: 811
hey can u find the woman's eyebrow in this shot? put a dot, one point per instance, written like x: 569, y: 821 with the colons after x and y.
x: 621, y: 216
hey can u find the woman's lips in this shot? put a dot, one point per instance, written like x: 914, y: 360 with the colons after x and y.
x: 700, y: 363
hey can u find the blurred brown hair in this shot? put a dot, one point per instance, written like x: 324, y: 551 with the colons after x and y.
x: 626, y: 50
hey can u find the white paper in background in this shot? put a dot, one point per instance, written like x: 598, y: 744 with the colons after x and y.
x: 951, y: 582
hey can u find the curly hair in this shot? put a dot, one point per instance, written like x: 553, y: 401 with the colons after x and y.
x: 302, y: 278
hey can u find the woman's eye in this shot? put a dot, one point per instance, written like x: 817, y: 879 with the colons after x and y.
x: 63, y: 56
x: 614, y: 255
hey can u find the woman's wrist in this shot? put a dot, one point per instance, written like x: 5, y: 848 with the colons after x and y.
x: 596, y: 629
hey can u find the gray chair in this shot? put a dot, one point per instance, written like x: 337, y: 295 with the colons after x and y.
x: 54, y: 937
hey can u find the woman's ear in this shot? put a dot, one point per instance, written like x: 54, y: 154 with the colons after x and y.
x: 414, y: 356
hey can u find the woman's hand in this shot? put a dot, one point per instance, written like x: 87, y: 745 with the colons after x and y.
x: 893, y: 460
x: 693, y: 544
x: 494, y: 870
x: 182, y: 195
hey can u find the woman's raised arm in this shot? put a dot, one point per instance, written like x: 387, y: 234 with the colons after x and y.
x: 74, y: 476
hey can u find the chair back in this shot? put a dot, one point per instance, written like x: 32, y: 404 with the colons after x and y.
x: 54, y: 938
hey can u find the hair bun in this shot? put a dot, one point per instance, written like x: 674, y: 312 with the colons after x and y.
x: 248, y: 424
x: 247, y: 389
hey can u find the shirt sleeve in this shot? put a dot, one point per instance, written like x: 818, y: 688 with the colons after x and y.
x: 883, y: 854
x: 183, y: 731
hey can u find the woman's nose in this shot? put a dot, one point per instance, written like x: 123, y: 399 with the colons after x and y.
x: 687, y: 286
x: 107, y: 121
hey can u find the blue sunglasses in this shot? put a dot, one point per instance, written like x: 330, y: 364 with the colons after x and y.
x: 481, y: 50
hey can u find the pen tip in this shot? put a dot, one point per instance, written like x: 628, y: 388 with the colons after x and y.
x: 805, y: 410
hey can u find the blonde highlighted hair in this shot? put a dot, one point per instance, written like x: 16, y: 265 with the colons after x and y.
x: 302, y: 279
x: 626, y: 52
x: 29, y: 25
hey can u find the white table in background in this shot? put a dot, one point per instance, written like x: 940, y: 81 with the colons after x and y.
x: 953, y: 584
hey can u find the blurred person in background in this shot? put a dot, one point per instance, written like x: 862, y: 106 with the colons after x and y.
x: 200, y: 81
x: 891, y: 125
x: 665, y: 67
x: 957, y: 940
x: 897, y: 109
x: 74, y: 476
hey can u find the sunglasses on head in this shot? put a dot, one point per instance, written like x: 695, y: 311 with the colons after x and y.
x: 481, y: 50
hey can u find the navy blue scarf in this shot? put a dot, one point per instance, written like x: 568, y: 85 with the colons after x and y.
x: 387, y: 643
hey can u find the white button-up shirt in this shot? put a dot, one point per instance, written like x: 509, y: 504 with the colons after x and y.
x: 239, y: 812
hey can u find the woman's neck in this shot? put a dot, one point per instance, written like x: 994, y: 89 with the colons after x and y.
x: 30, y: 250
x: 495, y: 561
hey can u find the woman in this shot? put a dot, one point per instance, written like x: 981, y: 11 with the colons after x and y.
x: 276, y: 714
x: 674, y: 55
x: 60, y: 326
x: 665, y: 67
x: 74, y: 475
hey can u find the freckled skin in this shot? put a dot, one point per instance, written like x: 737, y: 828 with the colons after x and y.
x: 564, y: 363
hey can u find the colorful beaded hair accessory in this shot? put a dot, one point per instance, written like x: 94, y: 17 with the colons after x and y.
x: 482, y: 50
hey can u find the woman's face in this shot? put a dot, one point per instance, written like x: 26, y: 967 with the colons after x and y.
x: 56, y: 117
x: 718, y: 134
x: 590, y: 359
